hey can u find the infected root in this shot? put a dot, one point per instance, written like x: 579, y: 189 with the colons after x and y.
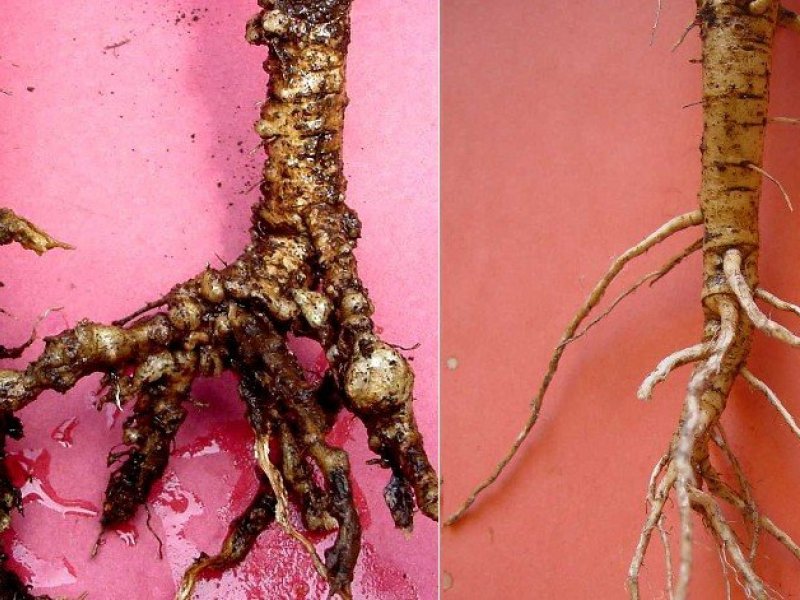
x: 14, y: 228
x: 244, y: 532
x: 282, y: 504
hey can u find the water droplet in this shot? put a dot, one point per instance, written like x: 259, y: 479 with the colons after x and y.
x: 63, y: 433
x: 379, y: 578
x: 447, y: 580
x: 41, y: 573
x: 111, y: 413
x: 30, y: 471
x: 233, y: 438
x: 203, y: 446
x: 277, y: 567
x: 176, y: 507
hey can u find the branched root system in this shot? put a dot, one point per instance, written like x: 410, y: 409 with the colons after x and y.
x: 298, y: 275
x: 737, y: 41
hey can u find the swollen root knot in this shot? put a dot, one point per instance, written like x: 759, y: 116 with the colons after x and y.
x: 315, y: 307
x: 759, y: 7
x: 379, y: 379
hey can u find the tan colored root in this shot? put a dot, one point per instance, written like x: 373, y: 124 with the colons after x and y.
x: 787, y: 120
x: 773, y: 399
x: 655, y: 22
x: 652, y: 486
x: 683, y: 483
x: 186, y: 589
x: 723, y: 561
x: 777, y: 302
x: 687, y: 438
x: 729, y: 320
x: 722, y: 490
x: 681, y: 39
x: 282, y: 507
x: 721, y: 440
x: 715, y: 520
x: 735, y: 99
x: 707, y: 506
x: 657, y: 502
x: 651, y: 277
x: 776, y: 182
x: 670, y: 363
x: 14, y: 228
x: 759, y: 7
x: 790, y: 19
x: 670, y: 227
x: 662, y: 533
x: 733, y: 271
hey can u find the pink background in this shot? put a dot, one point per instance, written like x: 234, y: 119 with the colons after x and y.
x: 564, y: 142
x: 140, y: 157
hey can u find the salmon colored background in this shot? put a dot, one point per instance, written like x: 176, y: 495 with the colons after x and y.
x: 140, y: 157
x: 564, y: 142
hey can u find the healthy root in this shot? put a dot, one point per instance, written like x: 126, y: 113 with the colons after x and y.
x: 297, y: 276
x: 737, y: 41
x: 674, y: 225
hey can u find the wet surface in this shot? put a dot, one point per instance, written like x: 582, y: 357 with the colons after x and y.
x: 30, y: 472
x: 170, y: 111
x: 63, y: 433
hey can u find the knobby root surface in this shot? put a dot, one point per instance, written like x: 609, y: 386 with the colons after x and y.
x: 298, y: 276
